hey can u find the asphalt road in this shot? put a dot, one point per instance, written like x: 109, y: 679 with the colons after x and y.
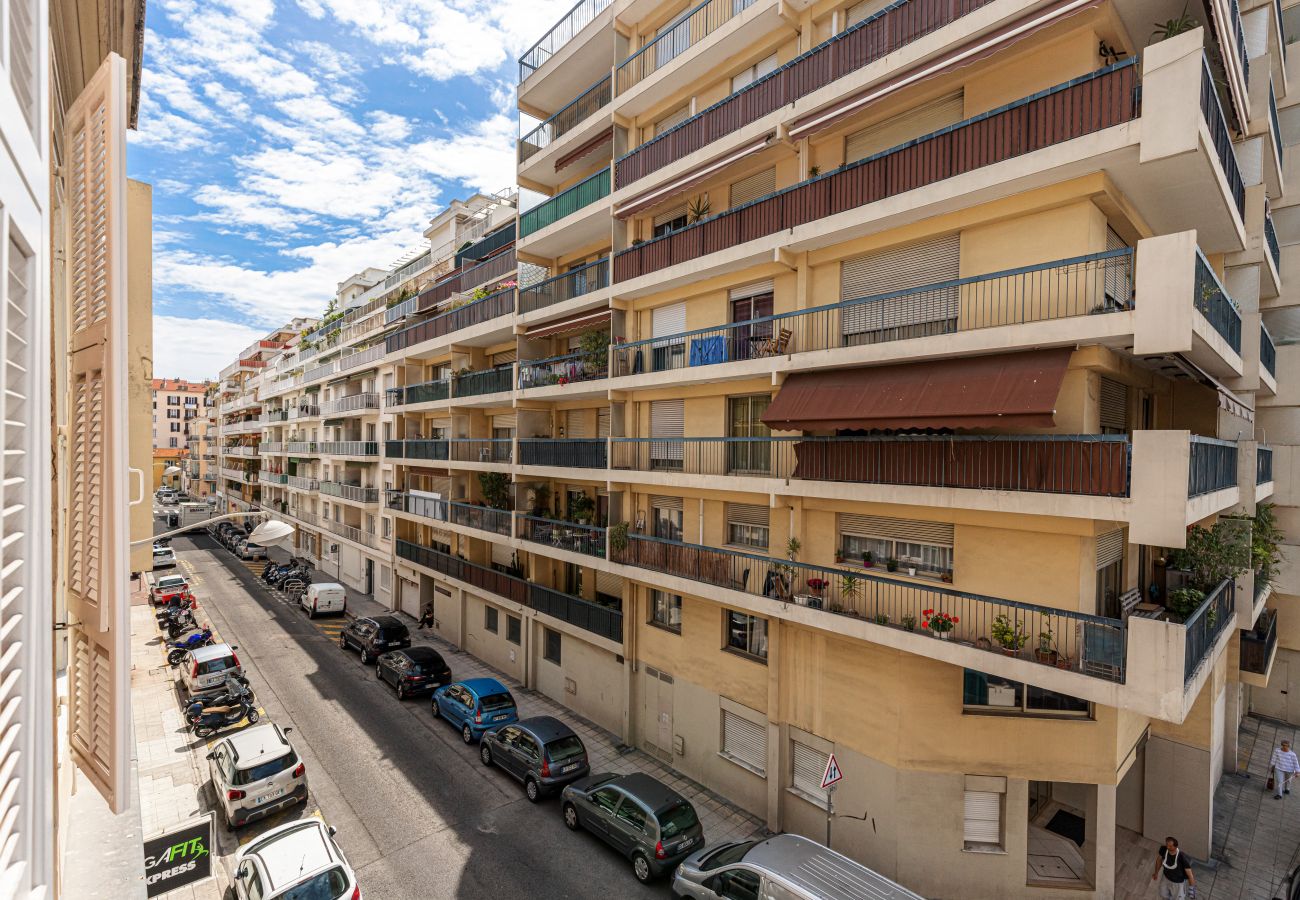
x: 417, y: 814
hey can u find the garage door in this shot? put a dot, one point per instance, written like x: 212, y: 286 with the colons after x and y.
x: 410, y: 597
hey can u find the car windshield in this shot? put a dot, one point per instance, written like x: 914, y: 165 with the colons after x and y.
x: 266, y: 769
x: 393, y: 632
x: 424, y: 666
x: 497, y: 701
x: 727, y: 856
x: 328, y: 885
x: 565, y: 749
x: 220, y: 664
x: 677, y: 818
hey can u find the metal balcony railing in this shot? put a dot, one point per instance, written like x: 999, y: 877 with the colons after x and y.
x: 1085, y: 285
x: 1083, y: 106
x: 354, y: 492
x: 401, y: 310
x: 1267, y: 351
x: 271, y: 447
x: 578, y: 282
x: 1239, y: 36
x: 670, y: 43
x: 1270, y: 239
x: 566, y: 203
x: 1263, y: 465
x: 428, y: 392
x: 272, y: 477
x: 462, y: 281
x: 1204, y: 626
x: 1213, y: 466
x: 483, y: 450
x: 566, y: 453
x: 1274, y: 123
x: 361, y: 357
x: 1221, y: 136
x: 1091, y: 645
x: 319, y: 372
x: 304, y: 411
x: 308, y: 447
x: 501, y: 303
x: 1257, y: 643
x: 349, y: 404
x: 589, y: 540
x: 568, y: 117
x: 560, y: 34
x: 276, y: 415
x: 349, y: 448
x: 571, y: 367
x: 1213, y: 302
x: 303, y: 484
x: 489, y: 381
x: 416, y: 449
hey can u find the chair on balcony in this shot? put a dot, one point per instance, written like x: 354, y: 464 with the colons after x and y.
x: 777, y: 345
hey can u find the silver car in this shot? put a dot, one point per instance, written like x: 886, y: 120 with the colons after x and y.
x: 298, y: 860
x: 205, y: 669
x: 256, y: 772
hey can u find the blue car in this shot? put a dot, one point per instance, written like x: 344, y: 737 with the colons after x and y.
x: 475, y: 706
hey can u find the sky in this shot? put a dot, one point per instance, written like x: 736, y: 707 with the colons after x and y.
x: 293, y: 143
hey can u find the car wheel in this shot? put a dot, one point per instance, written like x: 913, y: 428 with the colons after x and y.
x: 571, y: 817
x: 437, y: 713
x: 641, y: 868
x: 227, y: 821
x: 485, y: 754
x: 401, y: 692
x: 311, y: 613
x: 343, y: 642
x: 379, y: 673
x: 365, y: 656
x: 253, y: 716
x: 467, y: 734
x: 531, y: 790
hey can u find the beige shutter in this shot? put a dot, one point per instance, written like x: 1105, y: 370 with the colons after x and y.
x: 673, y: 119
x: 575, y: 423
x: 506, y: 421
x: 934, y: 533
x: 609, y: 583
x: 1114, y: 405
x: 759, y: 184
x: 667, y: 421
x: 860, y: 12
x: 502, y: 554
x: 757, y: 289
x: 745, y: 740
x: 669, y: 215
x: 504, y: 358
x: 1110, y: 548
x: 747, y: 514
x: 904, y: 127
x: 660, y: 501
x: 809, y: 767
x: 24, y: 43
x: 668, y: 320
x: 982, y: 823
x: 932, y: 261
x: 602, y: 423
x: 98, y: 529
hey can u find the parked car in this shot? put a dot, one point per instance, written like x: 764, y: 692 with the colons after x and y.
x: 325, y: 597
x: 474, y: 706
x: 413, y: 670
x: 373, y: 635
x: 249, y: 550
x: 540, y: 751
x: 645, y: 820
x: 298, y: 860
x: 166, y: 497
x: 204, y: 669
x: 256, y: 772
x: 164, y: 558
x: 168, y: 584
x: 786, y: 865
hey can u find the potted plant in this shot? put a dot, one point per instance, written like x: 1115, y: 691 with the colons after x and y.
x: 868, y: 559
x: 698, y: 208
x: 1184, y: 601
x: 940, y: 624
x: 891, y: 565
x: 496, y: 489
x: 911, y: 571
x: 1046, y: 652
x: 946, y: 577
x: 817, y: 586
x: 581, y: 508
x: 1009, y: 635
x: 850, y: 588
x: 909, y: 622
x: 618, y: 537
x: 881, y: 619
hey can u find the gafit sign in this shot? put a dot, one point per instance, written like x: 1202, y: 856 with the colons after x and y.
x: 179, y: 857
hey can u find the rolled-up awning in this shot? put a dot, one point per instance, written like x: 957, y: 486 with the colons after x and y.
x: 580, y: 322
x: 1015, y: 389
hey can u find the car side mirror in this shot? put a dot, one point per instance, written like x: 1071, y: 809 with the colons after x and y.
x: 234, y: 647
x: 332, y: 830
x: 212, y: 755
x: 286, y: 729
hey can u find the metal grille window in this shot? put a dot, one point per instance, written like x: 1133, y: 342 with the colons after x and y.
x: 931, y: 261
x: 808, y: 766
x: 747, y: 525
x: 491, y: 619
x: 744, y: 741
x: 551, y: 646
x: 746, y: 634
x: 982, y: 822
x: 514, y: 629
x: 666, y: 610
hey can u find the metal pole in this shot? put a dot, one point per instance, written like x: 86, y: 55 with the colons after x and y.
x: 235, y: 515
x: 830, y: 813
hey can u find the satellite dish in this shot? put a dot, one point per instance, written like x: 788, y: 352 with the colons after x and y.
x: 172, y: 470
x: 271, y: 533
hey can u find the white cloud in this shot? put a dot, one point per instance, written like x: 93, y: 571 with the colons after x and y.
x: 198, y: 348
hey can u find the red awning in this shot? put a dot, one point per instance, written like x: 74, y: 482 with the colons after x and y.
x: 1017, y: 389
x: 580, y: 322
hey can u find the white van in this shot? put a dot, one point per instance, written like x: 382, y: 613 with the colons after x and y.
x: 324, y: 598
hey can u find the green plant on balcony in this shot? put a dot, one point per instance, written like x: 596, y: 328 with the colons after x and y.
x: 891, y: 565
x: 594, y: 349
x: 1184, y: 601
x: 541, y: 499
x: 1214, y: 555
x: 618, y: 537
x: 909, y: 622
x: 1009, y: 635
x: 1046, y: 652
x: 1265, y: 537
x: 698, y: 208
x: 850, y: 590
x: 581, y: 508
x: 496, y: 489
x: 1179, y: 24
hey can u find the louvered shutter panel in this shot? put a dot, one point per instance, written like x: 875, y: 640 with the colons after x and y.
x: 757, y: 185
x: 1254, y: 29
x: 609, y: 583
x: 24, y: 41
x: 1114, y: 405
x: 757, y: 289
x: 667, y: 216
x: 747, y: 514
x: 1118, y: 278
x: 602, y: 423
x: 660, y: 501
x: 505, y: 357
x: 667, y: 421
x: 1110, y: 548
x: 745, y: 740
x: 983, y: 818
x: 575, y: 423
x: 507, y: 421
x: 932, y: 261
x: 99, y: 532
x: 809, y: 767
x: 938, y: 533
x: 904, y: 127
x: 866, y: 9
x: 502, y: 554
x: 674, y: 118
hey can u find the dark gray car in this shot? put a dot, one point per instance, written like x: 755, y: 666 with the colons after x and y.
x: 645, y: 820
x: 542, y: 752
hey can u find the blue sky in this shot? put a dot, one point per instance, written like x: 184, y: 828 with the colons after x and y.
x: 292, y: 143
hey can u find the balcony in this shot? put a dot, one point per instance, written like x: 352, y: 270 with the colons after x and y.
x: 428, y: 392
x: 318, y: 372
x: 348, y: 448
x: 350, y: 404
x: 489, y: 381
x: 1214, y: 304
x: 478, y: 312
x: 270, y: 447
x: 574, y: 53
x: 592, y: 617
x: 463, y: 281
x: 361, y: 358
x: 1259, y: 649
x: 301, y: 447
x: 1263, y: 465
x: 571, y: 453
x: 299, y: 483
x: 1204, y: 626
x: 571, y: 127
x: 304, y: 411
x: 571, y: 368
x: 353, y: 492
x: 564, y: 287
x: 587, y: 540
x: 1267, y: 352
x: 691, y: 30
x: 1213, y: 466
x: 272, y: 477
x: 482, y: 518
x: 276, y: 415
x: 419, y: 449
x: 577, y: 231
x: 401, y: 310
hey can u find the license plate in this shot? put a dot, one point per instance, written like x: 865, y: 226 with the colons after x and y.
x: 270, y: 795
x: 500, y: 718
x: 570, y: 767
x: 686, y: 843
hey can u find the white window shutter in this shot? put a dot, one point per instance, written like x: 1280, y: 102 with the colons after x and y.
x: 99, y: 532
x: 906, y: 126
x: 982, y: 822
x: 745, y: 740
x: 809, y: 765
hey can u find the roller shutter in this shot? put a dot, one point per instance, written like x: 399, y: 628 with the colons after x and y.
x: 504, y: 358
x: 668, y: 215
x: 760, y: 184
x: 809, y: 765
x: 934, y: 533
x: 602, y: 423
x: 502, y: 554
x: 1110, y: 548
x: 672, y: 120
x: 609, y: 583
x: 577, y: 423
x: 667, y: 421
x: 904, y: 127
x: 668, y: 320
x: 1118, y: 277
x: 982, y: 823
x: 1114, y: 406
x: 661, y: 501
x: 748, y: 514
x: 757, y: 289
x: 931, y: 261
x: 860, y: 12
x: 506, y: 421
x: 745, y: 740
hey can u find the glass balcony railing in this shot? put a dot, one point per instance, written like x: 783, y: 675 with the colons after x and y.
x: 574, y: 113
x: 565, y: 203
x: 673, y: 40
x: 1263, y: 465
x: 566, y: 286
x: 436, y: 450
x: 1267, y: 352
x: 1213, y: 466
x: 1213, y: 302
x: 563, y: 31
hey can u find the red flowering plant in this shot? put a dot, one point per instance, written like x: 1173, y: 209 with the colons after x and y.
x: 938, y: 622
x: 817, y: 585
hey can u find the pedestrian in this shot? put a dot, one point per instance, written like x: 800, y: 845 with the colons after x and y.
x: 1282, y: 768
x: 426, y: 618
x: 1177, y: 869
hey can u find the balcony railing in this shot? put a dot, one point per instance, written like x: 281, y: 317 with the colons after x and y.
x: 566, y: 286
x: 272, y: 477
x: 565, y: 369
x: 304, y: 411
x: 319, y: 372
x: 1267, y: 352
x: 1089, y: 644
x: 428, y: 392
x: 896, y: 26
x: 1274, y: 123
x: 361, y: 357
x: 349, y: 448
x: 1239, y: 36
x: 348, y: 404
x: 1263, y: 465
x: 1085, y: 285
x: 484, y: 450
x: 416, y: 449
x: 1213, y: 466
x: 564, y: 31
x: 300, y: 447
x: 572, y: 114
x: 354, y: 492
x: 465, y: 280
x: 1082, y: 464
x: 401, y: 310
x: 270, y: 447
x: 1083, y: 106
x: 570, y: 453
x: 1257, y: 643
x: 489, y: 381
x: 589, y: 540
x: 597, y: 619
x: 1270, y: 238
x: 502, y: 303
x: 483, y: 518
x: 1204, y: 626
x: 301, y: 483
x: 565, y: 203
x: 690, y: 29
x: 276, y: 415
x: 1213, y: 302
x: 1212, y: 111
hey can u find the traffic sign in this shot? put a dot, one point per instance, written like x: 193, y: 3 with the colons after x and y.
x: 832, y: 773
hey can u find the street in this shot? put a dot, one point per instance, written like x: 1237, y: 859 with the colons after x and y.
x: 417, y: 814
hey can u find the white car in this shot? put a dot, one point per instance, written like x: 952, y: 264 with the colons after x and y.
x: 298, y: 860
x: 164, y: 558
x: 256, y: 772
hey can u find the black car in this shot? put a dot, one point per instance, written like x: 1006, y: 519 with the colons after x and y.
x: 414, y: 670
x: 373, y: 635
x: 542, y: 752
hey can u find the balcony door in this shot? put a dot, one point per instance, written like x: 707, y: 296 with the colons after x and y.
x: 745, y: 420
x: 748, y: 304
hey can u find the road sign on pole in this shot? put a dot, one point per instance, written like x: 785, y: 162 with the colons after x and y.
x: 830, y: 778
x: 832, y: 773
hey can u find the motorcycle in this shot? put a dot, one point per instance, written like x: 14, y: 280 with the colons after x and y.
x: 236, y: 691
x: 178, y: 625
x: 298, y: 573
x: 181, y: 647
x: 215, y: 718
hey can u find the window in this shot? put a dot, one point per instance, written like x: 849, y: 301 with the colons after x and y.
x: 386, y: 527
x: 861, y: 11
x: 666, y: 516
x: 744, y: 741
x: 745, y: 420
x: 551, y: 648
x: 746, y: 634
x: 738, y: 884
x: 632, y: 815
x: 808, y: 765
x: 513, y: 629
x: 667, y: 223
x: 606, y: 799
x: 172, y: 442
x: 750, y: 74
x: 672, y: 120
x: 490, y: 616
x: 191, y: 401
x: 747, y: 525
x: 907, y: 268
x: 173, y: 401
x: 668, y: 426
x: 991, y: 693
x: 173, y: 413
x: 982, y: 821
x: 175, y: 426
x: 924, y: 546
x: 666, y: 610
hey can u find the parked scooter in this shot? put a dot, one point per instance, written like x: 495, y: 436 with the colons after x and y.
x: 236, y: 691
x: 215, y: 718
x: 177, y: 625
x: 193, y: 642
x: 297, y: 573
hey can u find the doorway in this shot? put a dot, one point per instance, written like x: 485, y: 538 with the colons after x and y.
x: 657, y: 713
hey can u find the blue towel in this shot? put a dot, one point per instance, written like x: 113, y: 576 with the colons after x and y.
x: 708, y: 351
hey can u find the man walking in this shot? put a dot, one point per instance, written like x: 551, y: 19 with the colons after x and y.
x: 1177, y: 869
x: 1284, y: 765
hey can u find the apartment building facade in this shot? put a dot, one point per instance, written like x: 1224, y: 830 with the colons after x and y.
x: 177, y: 405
